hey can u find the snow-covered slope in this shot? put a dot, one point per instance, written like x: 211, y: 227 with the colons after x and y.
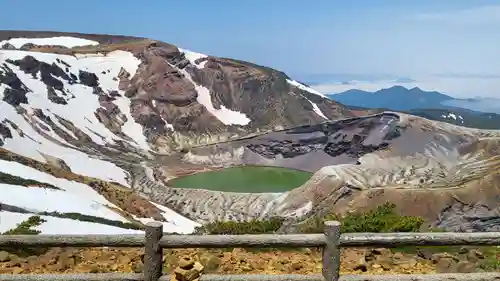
x: 54, y: 225
x: 81, y: 117
x: 77, y: 101
x: 27, y: 191
x: 65, y: 41
x: 31, y: 125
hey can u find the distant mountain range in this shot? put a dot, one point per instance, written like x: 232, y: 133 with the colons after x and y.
x: 395, y: 98
x: 428, y: 104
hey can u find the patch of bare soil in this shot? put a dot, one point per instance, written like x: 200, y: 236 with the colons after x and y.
x: 241, y: 261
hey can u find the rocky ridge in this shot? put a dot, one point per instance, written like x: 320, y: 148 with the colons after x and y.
x: 383, y: 157
x: 135, y: 113
x: 180, y: 98
x: 104, y: 106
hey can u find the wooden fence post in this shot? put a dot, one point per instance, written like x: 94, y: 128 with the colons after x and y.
x: 153, y: 254
x: 331, y: 251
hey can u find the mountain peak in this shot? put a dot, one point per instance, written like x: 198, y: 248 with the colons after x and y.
x: 396, y: 97
x: 396, y: 87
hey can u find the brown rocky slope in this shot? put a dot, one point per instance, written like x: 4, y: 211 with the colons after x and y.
x: 240, y: 261
x: 166, y: 89
x: 103, y: 106
x: 139, y: 94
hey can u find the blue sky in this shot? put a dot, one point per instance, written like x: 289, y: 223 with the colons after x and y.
x: 386, y: 38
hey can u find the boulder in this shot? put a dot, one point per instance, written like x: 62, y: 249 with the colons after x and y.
x: 8, y: 46
x: 188, y: 270
x: 4, y: 256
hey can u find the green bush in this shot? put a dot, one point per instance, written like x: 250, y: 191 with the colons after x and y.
x: 381, y: 219
x: 250, y: 227
x: 15, y: 180
x: 88, y: 218
x: 25, y: 227
x: 492, y: 260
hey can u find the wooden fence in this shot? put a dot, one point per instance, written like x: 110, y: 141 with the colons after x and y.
x: 331, y: 242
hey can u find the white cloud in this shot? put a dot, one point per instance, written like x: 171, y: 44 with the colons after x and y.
x: 482, y: 104
x: 472, y: 16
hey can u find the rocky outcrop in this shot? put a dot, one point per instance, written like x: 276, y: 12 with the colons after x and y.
x: 180, y: 101
x: 88, y: 79
x: 16, y: 93
x: 462, y: 217
x: 4, y: 133
x: 48, y: 72
x: 188, y: 270
x: 169, y: 86
x: 287, y: 148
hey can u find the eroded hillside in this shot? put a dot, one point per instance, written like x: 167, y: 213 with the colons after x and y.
x: 425, y: 167
x: 107, y: 122
x: 99, y: 108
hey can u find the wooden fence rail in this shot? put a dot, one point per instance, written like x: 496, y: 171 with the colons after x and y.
x: 331, y: 242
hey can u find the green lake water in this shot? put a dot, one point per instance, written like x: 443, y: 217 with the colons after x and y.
x: 253, y: 179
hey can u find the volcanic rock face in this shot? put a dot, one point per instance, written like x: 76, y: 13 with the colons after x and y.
x: 96, y: 106
x: 204, y: 99
x: 460, y: 217
x: 178, y: 97
x: 358, y: 163
x: 99, y: 106
x: 311, y: 147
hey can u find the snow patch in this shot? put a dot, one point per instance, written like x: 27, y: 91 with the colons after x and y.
x: 75, y: 198
x: 36, y: 199
x: 81, y: 107
x: 175, y: 223
x: 80, y: 189
x: 56, y: 226
x: 80, y: 110
x: 226, y: 116
x: 304, y: 88
x: 167, y: 125
x: 29, y: 143
x: 10, y: 220
x: 453, y: 116
x: 65, y: 41
x: 193, y: 56
x: 316, y: 109
x: 106, y: 68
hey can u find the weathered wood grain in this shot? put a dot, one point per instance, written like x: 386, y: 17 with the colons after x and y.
x: 258, y: 240
x: 263, y: 240
x: 153, y: 254
x: 72, y: 240
x: 419, y: 239
x: 331, y: 251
